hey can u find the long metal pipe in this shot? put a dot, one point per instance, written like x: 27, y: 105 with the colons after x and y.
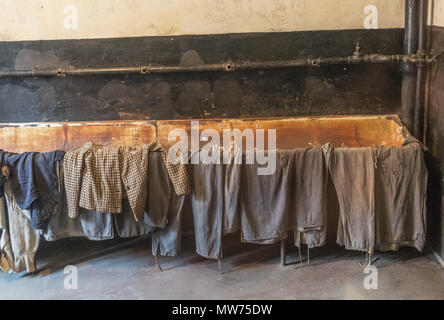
x: 409, y: 69
x: 418, y: 123
x: 226, y: 67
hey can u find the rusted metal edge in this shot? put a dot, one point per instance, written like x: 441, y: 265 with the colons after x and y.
x: 392, y: 117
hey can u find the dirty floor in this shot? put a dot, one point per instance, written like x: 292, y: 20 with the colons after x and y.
x: 118, y: 269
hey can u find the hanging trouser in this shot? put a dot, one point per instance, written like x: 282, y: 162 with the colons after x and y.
x: 164, y: 209
x: 167, y: 241
x: 265, y: 200
x: 214, y: 201
x: 353, y: 173
x: 23, y: 237
x: 127, y: 226
x: 207, y: 204
x: 308, y: 213
x: 400, y: 197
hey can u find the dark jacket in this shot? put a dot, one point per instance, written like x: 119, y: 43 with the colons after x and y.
x: 35, y: 183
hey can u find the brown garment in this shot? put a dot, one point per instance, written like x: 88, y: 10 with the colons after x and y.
x: 95, y: 175
x: 400, y: 197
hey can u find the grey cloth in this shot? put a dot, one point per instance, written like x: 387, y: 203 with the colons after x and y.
x: 207, y: 204
x: 353, y: 173
x: 265, y: 201
x: 167, y: 241
x: 6, y: 255
x: 127, y: 226
x: 164, y: 209
x: 159, y: 190
x: 162, y: 216
x: 231, y: 191
x: 90, y: 224
x: 308, y: 212
x: 214, y: 201
x: 24, y: 240
x: 400, y: 196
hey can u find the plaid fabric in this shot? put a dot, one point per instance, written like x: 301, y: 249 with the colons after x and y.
x: 178, y: 172
x: 134, y: 172
x: 73, y: 174
x: 95, y: 175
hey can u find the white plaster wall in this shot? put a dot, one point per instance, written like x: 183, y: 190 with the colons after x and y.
x: 44, y: 19
x: 436, y: 12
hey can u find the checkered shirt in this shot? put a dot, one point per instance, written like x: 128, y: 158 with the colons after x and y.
x: 97, y: 177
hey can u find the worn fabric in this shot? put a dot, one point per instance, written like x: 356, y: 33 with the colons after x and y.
x: 167, y: 241
x: 2, y: 185
x: 308, y: 210
x: 134, y: 166
x: 158, y: 191
x: 93, y: 176
x: 207, y: 204
x: 265, y: 201
x: 400, y: 196
x: 127, y: 227
x: 6, y: 256
x: 352, y: 171
x: 164, y: 207
x: 214, y: 201
x: 4, y: 172
x: 93, y: 179
x: 177, y: 172
x: 231, y: 176
x: 35, y: 184
x: 23, y: 237
x: 90, y: 224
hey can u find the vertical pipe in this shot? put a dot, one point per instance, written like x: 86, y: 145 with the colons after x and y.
x: 418, y: 126
x: 409, y: 69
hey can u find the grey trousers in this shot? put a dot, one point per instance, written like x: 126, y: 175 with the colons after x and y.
x: 400, y: 197
x: 265, y: 201
x: 353, y: 174
x: 308, y: 211
x: 214, y: 201
x: 164, y: 209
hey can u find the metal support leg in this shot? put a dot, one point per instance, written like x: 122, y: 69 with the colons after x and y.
x: 157, y: 263
x: 283, y: 252
x: 219, y: 262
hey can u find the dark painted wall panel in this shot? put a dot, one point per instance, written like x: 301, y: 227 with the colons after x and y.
x: 372, y: 89
x: 435, y: 142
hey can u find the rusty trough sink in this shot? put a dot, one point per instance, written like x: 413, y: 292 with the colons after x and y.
x: 349, y: 131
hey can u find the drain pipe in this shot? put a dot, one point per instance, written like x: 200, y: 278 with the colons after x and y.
x: 418, y: 123
x: 409, y: 69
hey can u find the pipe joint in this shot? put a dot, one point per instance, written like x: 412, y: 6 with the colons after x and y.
x: 61, y: 72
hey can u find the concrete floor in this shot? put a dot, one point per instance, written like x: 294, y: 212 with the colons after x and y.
x: 117, y: 269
